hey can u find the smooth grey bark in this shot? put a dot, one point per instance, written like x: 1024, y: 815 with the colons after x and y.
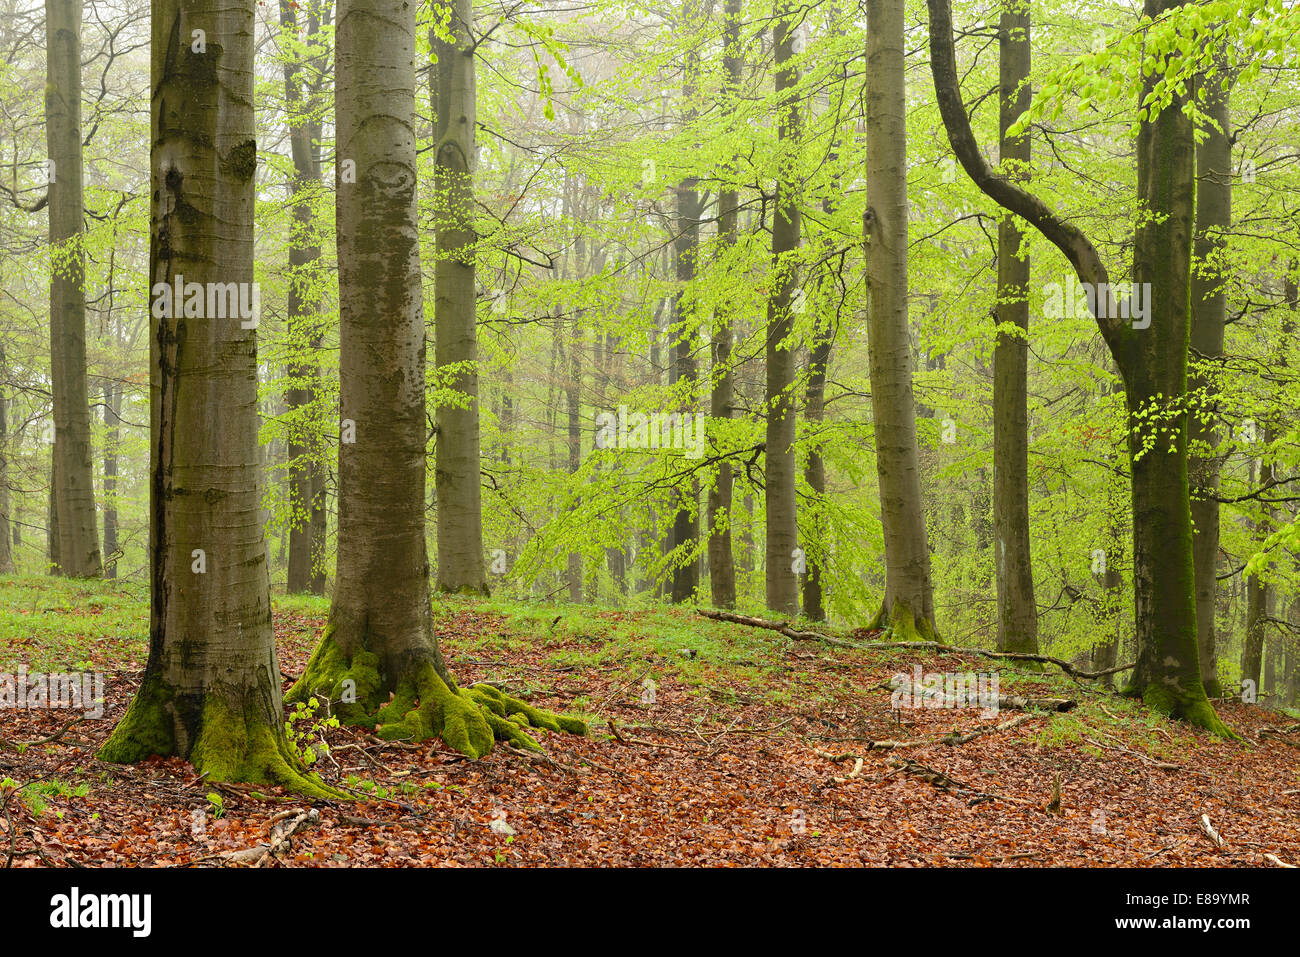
x: 112, y: 443
x: 307, y: 479
x: 1209, y: 317
x: 211, y: 687
x: 908, y: 604
x: 722, y: 566
x: 782, y: 592
x: 72, y: 473
x: 381, y: 601
x: 460, y: 527
x: 1017, y: 613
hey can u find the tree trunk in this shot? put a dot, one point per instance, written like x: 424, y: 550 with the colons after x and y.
x: 572, y: 398
x: 1152, y: 359
x: 782, y: 522
x: 722, y: 567
x: 908, y: 606
x: 460, y: 527
x: 1209, y: 316
x: 1153, y: 362
x: 378, y: 661
x: 307, y: 529
x: 686, y: 520
x: 74, y: 491
x: 1017, y: 613
x: 112, y: 441
x: 211, y: 687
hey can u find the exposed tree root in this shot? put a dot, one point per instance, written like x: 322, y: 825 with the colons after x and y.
x: 423, y: 705
x: 225, y: 744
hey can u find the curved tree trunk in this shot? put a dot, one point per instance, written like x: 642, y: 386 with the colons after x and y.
x: 211, y: 688
x: 1017, y: 613
x: 908, y: 605
x: 74, y: 492
x: 460, y: 527
x: 1152, y: 358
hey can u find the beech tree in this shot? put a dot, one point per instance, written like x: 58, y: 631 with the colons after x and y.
x: 211, y: 685
x: 460, y: 525
x: 779, y: 473
x: 907, y: 610
x: 379, y: 662
x: 1152, y: 361
x: 76, y: 549
x: 1017, y: 613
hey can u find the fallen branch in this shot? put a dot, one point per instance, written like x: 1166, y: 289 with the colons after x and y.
x: 796, y: 635
x: 1003, y: 702
x: 955, y: 738
x: 1274, y: 859
x: 1208, y: 830
x: 779, y: 627
x: 23, y: 745
x: 1162, y: 765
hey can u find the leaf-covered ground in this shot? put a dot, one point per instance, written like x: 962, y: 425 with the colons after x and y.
x: 734, y: 746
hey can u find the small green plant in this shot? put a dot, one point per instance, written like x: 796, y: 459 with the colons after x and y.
x: 218, y: 805
x: 306, y: 732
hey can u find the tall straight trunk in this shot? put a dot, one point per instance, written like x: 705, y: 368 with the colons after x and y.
x: 1152, y: 359
x: 6, y: 539
x: 908, y: 606
x: 1017, y: 613
x: 1252, y: 652
x: 112, y: 442
x: 211, y: 687
x: 52, y: 526
x: 1154, y: 365
x: 460, y: 526
x: 379, y: 662
x: 572, y: 397
x: 686, y: 520
x: 819, y: 357
x: 74, y: 490
x: 782, y: 520
x: 1209, y: 317
x: 722, y: 567
x: 307, y: 531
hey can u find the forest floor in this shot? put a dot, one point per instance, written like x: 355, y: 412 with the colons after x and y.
x: 725, y: 754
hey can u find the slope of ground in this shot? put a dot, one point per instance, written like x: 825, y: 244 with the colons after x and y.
x: 729, y: 746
